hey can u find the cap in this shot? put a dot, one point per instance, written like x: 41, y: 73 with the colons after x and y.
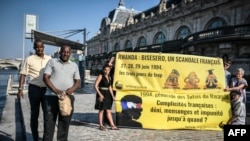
x: 175, y: 72
x: 210, y: 71
x: 235, y: 93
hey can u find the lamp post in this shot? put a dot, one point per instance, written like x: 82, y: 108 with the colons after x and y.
x: 82, y: 63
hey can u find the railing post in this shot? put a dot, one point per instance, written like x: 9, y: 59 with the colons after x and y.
x: 9, y: 85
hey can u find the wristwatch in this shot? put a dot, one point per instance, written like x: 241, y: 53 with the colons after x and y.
x: 20, y: 88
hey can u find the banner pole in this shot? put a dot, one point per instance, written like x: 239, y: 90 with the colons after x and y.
x: 24, y: 23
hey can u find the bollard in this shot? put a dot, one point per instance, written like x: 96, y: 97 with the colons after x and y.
x: 87, y: 74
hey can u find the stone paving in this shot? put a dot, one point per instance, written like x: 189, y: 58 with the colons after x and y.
x: 11, y: 121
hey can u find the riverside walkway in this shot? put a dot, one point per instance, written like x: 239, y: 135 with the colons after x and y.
x: 14, y: 124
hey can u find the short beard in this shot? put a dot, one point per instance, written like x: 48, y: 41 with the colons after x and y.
x: 64, y: 60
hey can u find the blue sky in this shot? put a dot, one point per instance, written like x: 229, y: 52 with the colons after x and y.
x: 54, y: 15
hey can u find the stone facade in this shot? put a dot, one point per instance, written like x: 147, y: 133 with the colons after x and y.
x: 214, y: 28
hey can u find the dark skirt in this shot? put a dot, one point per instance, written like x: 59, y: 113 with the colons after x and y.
x: 106, y: 104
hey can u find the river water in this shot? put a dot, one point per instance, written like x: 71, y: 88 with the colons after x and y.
x: 4, y: 75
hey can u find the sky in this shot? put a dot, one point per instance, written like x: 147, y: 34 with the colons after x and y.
x: 54, y: 16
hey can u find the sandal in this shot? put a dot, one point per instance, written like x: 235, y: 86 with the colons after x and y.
x: 114, y: 128
x: 102, y: 128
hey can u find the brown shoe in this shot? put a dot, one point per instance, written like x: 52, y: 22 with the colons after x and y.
x: 102, y: 128
x: 114, y: 128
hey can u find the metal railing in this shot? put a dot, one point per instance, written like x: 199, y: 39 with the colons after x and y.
x: 224, y: 33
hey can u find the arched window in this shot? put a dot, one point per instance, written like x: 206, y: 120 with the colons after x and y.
x: 182, y: 32
x: 116, y: 47
x: 128, y: 44
x: 216, y: 23
x: 105, y: 47
x: 159, y: 38
x: 141, y: 41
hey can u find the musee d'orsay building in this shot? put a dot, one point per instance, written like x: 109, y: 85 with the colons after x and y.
x: 213, y: 28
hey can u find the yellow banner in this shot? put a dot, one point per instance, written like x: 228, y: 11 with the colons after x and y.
x: 167, y: 72
x: 170, y: 91
x: 155, y: 110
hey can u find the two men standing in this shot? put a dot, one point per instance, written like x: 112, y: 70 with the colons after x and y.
x: 48, y: 79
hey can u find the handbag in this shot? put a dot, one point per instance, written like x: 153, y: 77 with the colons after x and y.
x: 65, y: 105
